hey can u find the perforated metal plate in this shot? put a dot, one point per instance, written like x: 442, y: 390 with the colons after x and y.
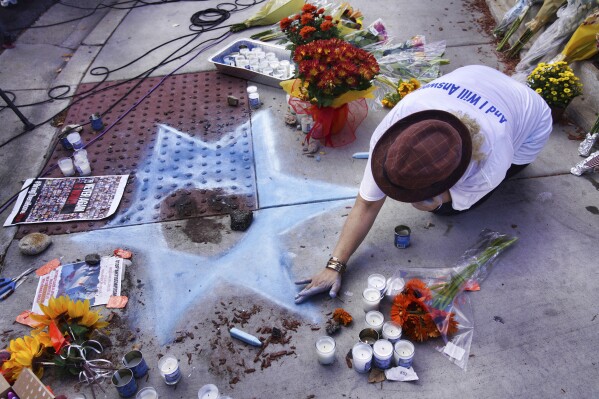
x: 188, y: 152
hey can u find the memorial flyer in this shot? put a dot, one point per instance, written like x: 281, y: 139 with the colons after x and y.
x: 81, y: 281
x: 47, y: 200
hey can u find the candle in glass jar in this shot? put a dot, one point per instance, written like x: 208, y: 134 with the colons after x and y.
x: 377, y: 281
x: 362, y: 357
x: 371, y: 298
x: 325, y: 350
x: 395, y: 286
x: 147, y: 393
x: 403, y: 353
x: 391, y: 331
x: 383, y: 354
x: 208, y: 391
x: 375, y: 320
x: 169, y: 369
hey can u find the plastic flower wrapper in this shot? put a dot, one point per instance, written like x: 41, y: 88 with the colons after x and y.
x: 511, y: 21
x: 584, y: 43
x: 334, y: 78
x: 389, y: 46
x: 421, y: 63
x: 433, y: 303
x: 394, y: 92
x: 272, y: 12
x: 546, y: 13
x: 556, y: 83
x: 373, y: 34
x: 548, y: 44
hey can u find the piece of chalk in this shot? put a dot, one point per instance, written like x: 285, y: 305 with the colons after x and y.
x: 245, y: 337
x: 360, y: 155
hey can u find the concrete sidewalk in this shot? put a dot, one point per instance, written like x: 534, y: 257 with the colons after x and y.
x: 535, y: 317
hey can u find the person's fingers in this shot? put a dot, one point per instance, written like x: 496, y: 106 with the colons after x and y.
x: 306, y: 281
x: 307, y: 292
x: 335, y: 288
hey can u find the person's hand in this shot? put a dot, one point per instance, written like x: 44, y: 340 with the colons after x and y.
x: 323, y: 281
x: 429, y: 205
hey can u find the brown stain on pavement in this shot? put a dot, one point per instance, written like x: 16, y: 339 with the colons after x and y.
x: 204, y: 230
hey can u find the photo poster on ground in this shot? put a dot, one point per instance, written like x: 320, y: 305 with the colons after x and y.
x: 49, y: 200
x: 81, y: 281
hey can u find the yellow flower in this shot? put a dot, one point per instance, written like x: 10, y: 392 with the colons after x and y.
x: 23, y: 352
x: 567, y: 90
x: 63, y: 306
x: 539, y: 90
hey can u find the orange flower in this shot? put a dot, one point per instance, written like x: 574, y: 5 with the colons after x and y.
x: 308, y: 8
x: 328, y: 17
x: 321, y: 10
x: 285, y: 23
x: 306, y: 31
x: 306, y: 18
x: 342, y: 317
x: 326, y: 25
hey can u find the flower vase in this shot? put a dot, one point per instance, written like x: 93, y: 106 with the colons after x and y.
x: 557, y: 113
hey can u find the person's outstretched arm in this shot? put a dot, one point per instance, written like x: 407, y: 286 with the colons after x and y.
x: 356, y: 227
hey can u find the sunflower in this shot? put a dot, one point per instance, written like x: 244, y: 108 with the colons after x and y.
x: 24, y: 352
x: 63, y: 307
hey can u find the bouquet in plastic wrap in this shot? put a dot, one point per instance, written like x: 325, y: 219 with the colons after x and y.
x: 585, y: 149
x: 547, y: 11
x: 511, y: 21
x: 374, y: 34
x: 547, y: 45
x: 309, y: 25
x: 584, y: 43
x: 270, y: 13
x: 398, y: 90
x: 432, y: 304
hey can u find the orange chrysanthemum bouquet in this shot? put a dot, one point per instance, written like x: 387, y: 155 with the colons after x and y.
x: 431, y: 306
x: 309, y: 25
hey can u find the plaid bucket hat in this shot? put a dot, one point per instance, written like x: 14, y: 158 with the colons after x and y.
x: 421, y: 155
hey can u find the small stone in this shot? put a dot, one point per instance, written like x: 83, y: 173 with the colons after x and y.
x: 241, y: 220
x: 232, y: 101
x: 34, y: 243
x: 92, y: 259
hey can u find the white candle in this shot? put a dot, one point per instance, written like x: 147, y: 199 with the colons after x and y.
x: 371, y: 298
x: 375, y: 320
x: 83, y: 166
x: 66, y: 166
x: 169, y: 369
x: 208, y: 391
x: 383, y: 352
x: 391, y: 331
x: 403, y: 353
x: 362, y: 357
x: 325, y: 350
x: 395, y: 286
x: 147, y: 393
x: 377, y: 281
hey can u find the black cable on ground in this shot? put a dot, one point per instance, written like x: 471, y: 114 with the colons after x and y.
x: 206, y: 20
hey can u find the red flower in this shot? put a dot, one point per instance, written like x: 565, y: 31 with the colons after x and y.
x: 285, y: 22
x: 326, y: 25
x: 306, y: 19
x: 321, y: 10
x: 328, y: 17
x: 306, y: 31
x: 308, y: 8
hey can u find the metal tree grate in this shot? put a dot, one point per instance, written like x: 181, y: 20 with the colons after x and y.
x: 188, y: 152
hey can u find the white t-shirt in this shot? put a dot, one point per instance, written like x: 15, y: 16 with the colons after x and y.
x: 514, y: 120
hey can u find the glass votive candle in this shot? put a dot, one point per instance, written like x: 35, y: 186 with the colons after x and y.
x: 83, y: 167
x: 395, y: 286
x: 267, y: 71
x: 391, y: 332
x: 147, y: 393
x: 325, y: 350
x: 244, y: 51
x: 369, y: 336
x: 274, y: 64
x: 371, y: 298
x: 284, y: 64
x: 169, y: 369
x: 362, y: 357
x: 271, y: 56
x: 375, y: 320
x: 66, y: 166
x: 403, y: 353
x: 75, y: 140
x: 377, y: 281
x: 209, y: 391
x: 80, y: 154
x: 383, y: 354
